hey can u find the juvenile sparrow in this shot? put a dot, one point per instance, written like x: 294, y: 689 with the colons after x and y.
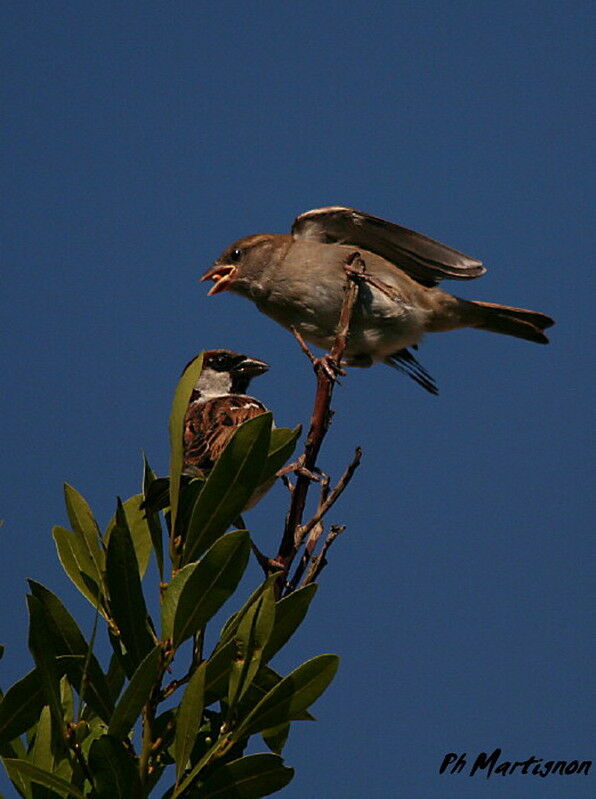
x: 217, y: 406
x: 297, y: 279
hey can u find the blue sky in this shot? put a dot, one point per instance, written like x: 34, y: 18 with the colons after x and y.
x: 142, y: 139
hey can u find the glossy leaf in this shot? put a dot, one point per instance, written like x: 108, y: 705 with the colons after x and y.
x: 127, y: 603
x: 276, y: 737
x: 291, y: 696
x: 289, y: 614
x: 41, y: 753
x: 264, y: 682
x: 73, y: 557
x: 212, y: 581
x: 250, y: 640
x: 218, y: 672
x: 281, y: 446
x: 82, y: 522
x: 138, y: 527
x: 179, y: 406
x: 136, y: 695
x: 79, y: 670
x: 230, y: 485
x: 247, y: 778
x: 231, y: 625
x: 41, y: 647
x: 67, y: 639
x: 23, y: 768
x: 188, y: 719
x: 170, y: 601
x: 67, y: 700
x: 153, y: 520
x: 20, y: 706
x: 114, y: 770
x: 115, y: 677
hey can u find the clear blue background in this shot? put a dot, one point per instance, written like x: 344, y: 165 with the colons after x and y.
x: 142, y: 139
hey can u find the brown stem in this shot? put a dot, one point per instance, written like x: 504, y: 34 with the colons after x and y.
x: 328, y: 503
x: 321, y: 415
x: 319, y: 563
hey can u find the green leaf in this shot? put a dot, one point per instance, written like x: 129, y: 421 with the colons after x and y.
x: 179, y: 406
x: 289, y: 614
x: 136, y: 694
x: 170, y: 601
x: 250, y: 640
x: 218, y: 671
x: 276, y: 737
x: 20, y: 706
x: 153, y: 520
x: 188, y: 719
x: 82, y: 522
x: 99, y: 699
x: 67, y: 700
x: 282, y: 445
x: 41, y: 754
x: 41, y: 647
x: 126, y: 595
x: 138, y: 527
x: 265, y: 681
x: 115, y: 677
x: 114, y: 770
x: 67, y: 639
x: 212, y: 581
x: 22, y: 768
x: 231, y: 625
x: 247, y: 778
x: 73, y: 557
x: 293, y: 694
x: 230, y: 485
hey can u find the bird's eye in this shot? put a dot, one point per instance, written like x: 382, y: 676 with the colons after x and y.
x: 235, y: 255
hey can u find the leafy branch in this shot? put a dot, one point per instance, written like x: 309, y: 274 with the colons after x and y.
x: 153, y: 710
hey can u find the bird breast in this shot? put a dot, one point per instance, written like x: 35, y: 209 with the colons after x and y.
x: 306, y: 292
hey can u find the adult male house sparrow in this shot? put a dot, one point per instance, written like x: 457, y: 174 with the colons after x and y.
x: 218, y: 404
x: 298, y: 279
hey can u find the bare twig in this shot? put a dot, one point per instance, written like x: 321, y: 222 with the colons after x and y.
x: 315, y: 534
x: 305, y: 529
x: 327, y: 369
x: 319, y: 563
x: 314, y: 527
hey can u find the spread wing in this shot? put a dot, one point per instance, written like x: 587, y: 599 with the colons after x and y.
x: 208, y: 427
x: 423, y: 259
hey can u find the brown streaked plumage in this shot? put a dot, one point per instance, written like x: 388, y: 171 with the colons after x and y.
x: 217, y: 407
x: 297, y: 279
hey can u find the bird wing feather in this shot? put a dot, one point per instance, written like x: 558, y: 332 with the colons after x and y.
x: 209, y: 426
x: 422, y: 258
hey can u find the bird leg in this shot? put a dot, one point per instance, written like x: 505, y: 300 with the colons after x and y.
x: 361, y: 274
x: 330, y: 367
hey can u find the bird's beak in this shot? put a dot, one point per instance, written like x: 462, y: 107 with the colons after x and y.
x: 222, y: 275
x: 251, y: 367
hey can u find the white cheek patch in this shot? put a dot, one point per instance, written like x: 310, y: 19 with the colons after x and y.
x: 213, y: 384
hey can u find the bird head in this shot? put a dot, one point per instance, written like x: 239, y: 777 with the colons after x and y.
x: 241, y: 267
x: 226, y: 372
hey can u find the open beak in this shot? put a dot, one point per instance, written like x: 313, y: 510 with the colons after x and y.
x: 222, y: 275
x: 252, y: 367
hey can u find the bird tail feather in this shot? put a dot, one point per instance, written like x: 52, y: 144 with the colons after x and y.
x: 518, y: 322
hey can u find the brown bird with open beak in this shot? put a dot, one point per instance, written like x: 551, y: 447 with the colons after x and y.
x: 298, y: 279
